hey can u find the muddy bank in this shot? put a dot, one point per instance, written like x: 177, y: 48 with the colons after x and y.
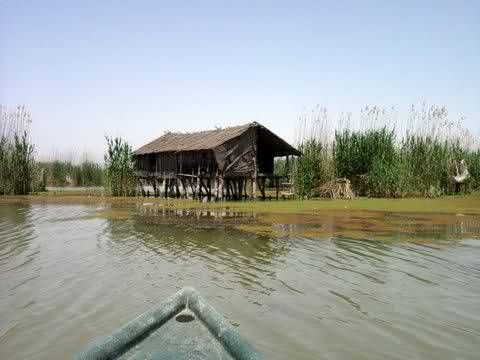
x: 459, y: 204
x: 353, y: 224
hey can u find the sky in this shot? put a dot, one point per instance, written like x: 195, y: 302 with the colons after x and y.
x: 86, y: 69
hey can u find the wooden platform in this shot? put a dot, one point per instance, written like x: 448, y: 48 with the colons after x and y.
x: 206, y: 186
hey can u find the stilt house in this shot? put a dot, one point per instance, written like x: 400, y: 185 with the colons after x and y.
x: 216, y: 163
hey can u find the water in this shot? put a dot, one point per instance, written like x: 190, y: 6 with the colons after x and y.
x: 69, y: 274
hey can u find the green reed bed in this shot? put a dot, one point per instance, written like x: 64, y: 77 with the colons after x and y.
x: 119, y: 168
x: 381, y: 161
x: 67, y: 172
x: 19, y: 173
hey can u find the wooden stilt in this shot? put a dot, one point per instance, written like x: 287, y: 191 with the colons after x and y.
x: 227, y: 183
x: 141, y: 187
x: 177, y: 189
x: 215, y: 187
x: 209, y: 189
x: 198, y: 189
x: 277, y: 186
x: 240, y: 189
x: 185, y: 188
x: 261, y: 186
x: 221, y: 188
x: 165, y: 187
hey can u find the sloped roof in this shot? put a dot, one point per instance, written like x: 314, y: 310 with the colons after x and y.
x: 204, y: 140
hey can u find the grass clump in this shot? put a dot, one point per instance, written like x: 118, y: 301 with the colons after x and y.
x: 67, y: 172
x: 19, y: 173
x: 119, y: 168
x: 312, y: 168
x: 381, y: 161
x: 315, y: 166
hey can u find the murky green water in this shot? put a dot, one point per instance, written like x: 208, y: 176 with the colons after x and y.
x: 68, y: 276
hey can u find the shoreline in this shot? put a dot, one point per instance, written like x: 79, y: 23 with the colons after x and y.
x: 453, y: 204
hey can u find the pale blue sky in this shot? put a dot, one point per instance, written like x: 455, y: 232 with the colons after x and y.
x: 136, y: 68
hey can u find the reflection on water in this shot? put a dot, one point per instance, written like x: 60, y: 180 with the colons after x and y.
x: 316, y: 286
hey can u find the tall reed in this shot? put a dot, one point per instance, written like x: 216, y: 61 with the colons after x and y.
x: 314, y: 140
x: 68, y: 172
x: 19, y: 174
x: 380, y: 159
x: 119, y: 168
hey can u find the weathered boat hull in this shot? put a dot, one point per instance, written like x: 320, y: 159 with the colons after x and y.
x: 184, y: 326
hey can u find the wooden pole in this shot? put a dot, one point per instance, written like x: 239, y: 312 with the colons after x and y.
x: 220, y: 187
x: 286, y: 169
x: 198, y: 188
x: 141, y: 187
x: 209, y: 189
x: 261, y: 185
x: 165, y: 187
x: 184, y: 189
x: 215, y: 186
x: 277, y: 185
x: 177, y: 189
x: 240, y: 188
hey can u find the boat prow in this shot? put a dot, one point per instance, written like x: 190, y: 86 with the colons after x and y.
x: 184, y: 326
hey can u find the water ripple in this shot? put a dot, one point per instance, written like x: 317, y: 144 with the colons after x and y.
x: 67, y: 277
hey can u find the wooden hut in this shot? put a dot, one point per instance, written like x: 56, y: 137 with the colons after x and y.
x: 217, y: 163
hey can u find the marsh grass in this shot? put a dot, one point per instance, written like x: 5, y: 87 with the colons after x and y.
x: 119, y: 168
x: 395, y: 163
x: 314, y: 140
x: 68, y: 172
x: 19, y: 173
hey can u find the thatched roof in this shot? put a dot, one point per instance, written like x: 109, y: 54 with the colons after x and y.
x: 211, y: 139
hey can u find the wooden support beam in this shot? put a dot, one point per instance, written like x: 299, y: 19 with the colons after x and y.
x: 197, y: 187
x: 240, y: 188
x: 200, y: 183
x: 221, y: 188
x: 184, y: 188
x: 277, y: 186
x: 177, y: 189
x: 286, y: 169
x: 215, y: 187
x: 192, y: 187
x: 228, y: 188
x: 261, y: 186
x: 209, y: 189
x: 141, y: 187
x: 165, y: 187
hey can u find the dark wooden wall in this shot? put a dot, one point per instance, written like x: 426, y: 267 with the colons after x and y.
x: 177, y: 162
x: 238, y: 157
